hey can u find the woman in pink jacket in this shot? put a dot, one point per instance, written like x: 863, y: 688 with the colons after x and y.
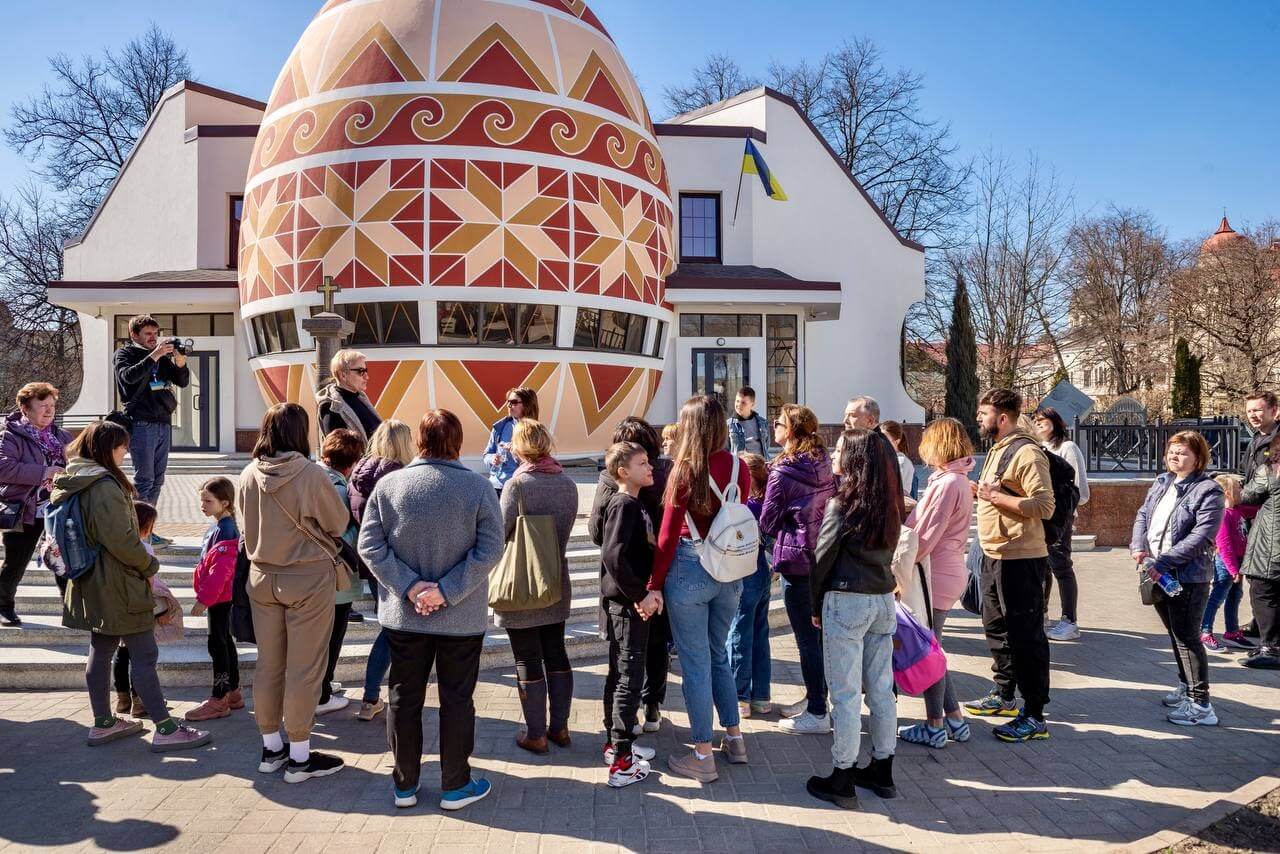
x: 942, y: 519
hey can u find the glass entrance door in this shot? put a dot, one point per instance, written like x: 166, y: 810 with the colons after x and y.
x: 195, y: 422
x: 720, y: 373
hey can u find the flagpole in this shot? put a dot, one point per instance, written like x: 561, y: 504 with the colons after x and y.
x: 738, y: 200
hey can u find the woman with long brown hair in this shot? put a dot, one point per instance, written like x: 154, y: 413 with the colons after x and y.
x: 800, y: 482
x: 502, y: 463
x: 852, y: 588
x: 113, y: 599
x: 700, y: 607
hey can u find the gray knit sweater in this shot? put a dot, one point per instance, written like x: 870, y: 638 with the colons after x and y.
x: 544, y: 494
x: 433, y: 520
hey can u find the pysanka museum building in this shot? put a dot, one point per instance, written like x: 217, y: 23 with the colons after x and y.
x: 482, y: 181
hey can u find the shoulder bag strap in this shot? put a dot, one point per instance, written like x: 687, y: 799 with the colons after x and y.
x: 308, y: 534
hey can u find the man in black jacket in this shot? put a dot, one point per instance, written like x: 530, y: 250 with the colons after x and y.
x: 1261, y: 409
x: 146, y: 371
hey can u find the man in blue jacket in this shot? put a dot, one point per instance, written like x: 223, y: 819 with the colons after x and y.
x: 748, y: 429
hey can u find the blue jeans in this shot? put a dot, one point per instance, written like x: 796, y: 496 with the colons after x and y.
x: 701, y: 610
x: 149, y: 451
x: 857, y: 633
x: 795, y: 595
x: 749, y: 635
x: 375, y: 669
x: 1224, y: 590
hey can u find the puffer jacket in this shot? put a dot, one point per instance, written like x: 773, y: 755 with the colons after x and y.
x: 1262, y: 554
x: 794, y: 501
x: 114, y: 597
x: 364, y: 477
x: 22, y: 465
x: 1193, y: 527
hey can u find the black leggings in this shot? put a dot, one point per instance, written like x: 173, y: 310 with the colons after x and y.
x: 336, y: 637
x: 1062, y: 568
x: 143, y: 655
x: 19, y: 546
x: 222, y: 649
x: 120, y: 670
x: 537, y: 647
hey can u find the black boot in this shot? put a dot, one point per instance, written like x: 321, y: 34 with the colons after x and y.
x: 533, y: 700
x: 560, y: 689
x: 877, y: 776
x: 836, y: 787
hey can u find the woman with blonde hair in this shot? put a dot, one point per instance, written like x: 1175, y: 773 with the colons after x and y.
x: 800, y: 482
x: 539, y: 487
x: 343, y: 404
x: 941, y: 521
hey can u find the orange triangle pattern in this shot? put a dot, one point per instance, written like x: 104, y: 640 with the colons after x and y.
x: 596, y: 85
x: 481, y: 402
x: 376, y: 58
x: 594, y: 411
x: 496, y: 58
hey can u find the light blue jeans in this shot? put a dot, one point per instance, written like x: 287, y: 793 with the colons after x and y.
x: 701, y: 609
x: 857, y: 647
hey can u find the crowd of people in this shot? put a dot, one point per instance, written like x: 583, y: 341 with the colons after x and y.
x: 694, y: 523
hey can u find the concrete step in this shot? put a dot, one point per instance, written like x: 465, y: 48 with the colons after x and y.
x: 186, y: 664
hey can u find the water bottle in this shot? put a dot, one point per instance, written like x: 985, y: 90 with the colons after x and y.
x: 1167, y: 582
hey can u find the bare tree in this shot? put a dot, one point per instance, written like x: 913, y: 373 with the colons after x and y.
x: 1227, y: 302
x: 717, y: 79
x: 39, y: 340
x: 83, y: 125
x: 1119, y: 270
x: 1011, y: 259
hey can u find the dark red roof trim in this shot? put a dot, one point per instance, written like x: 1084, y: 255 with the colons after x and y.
x: 720, y: 131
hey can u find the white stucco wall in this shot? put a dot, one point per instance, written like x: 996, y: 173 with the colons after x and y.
x: 222, y: 164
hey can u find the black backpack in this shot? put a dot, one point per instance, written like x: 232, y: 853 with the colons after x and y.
x: 241, y: 606
x: 1066, y: 495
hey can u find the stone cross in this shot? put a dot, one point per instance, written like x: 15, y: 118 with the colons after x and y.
x: 327, y: 329
x: 328, y: 290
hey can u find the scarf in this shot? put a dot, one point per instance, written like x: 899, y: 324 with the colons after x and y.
x: 546, y: 465
x: 50, y: 445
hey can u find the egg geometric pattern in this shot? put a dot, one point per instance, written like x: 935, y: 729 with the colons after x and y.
x: 436, y: 152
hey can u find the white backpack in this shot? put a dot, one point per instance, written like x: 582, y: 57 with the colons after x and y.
x: 732, y: 543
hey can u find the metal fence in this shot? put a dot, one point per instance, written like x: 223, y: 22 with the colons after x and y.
x: 1139, y: 448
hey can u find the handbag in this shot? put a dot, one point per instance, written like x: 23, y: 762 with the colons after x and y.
x: 528, y: 574
x: 11, y: 514
x: 241, y: 606
x: 344, y: 573
x: 918, y: 660
x: 971, y: 599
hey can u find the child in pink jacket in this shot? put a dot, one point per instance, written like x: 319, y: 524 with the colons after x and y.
x: 212, y: 580
x: 941, y: 520
x: 1227, y: 584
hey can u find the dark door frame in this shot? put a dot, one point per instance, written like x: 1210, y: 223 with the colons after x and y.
x: 210, y: 386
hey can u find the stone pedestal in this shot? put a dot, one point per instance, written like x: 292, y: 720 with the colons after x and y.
x: 328, y: 330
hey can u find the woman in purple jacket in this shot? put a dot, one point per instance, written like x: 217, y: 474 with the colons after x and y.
x: 32, y: 451
x: 800, y: 482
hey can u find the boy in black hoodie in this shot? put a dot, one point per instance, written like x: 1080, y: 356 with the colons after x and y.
x: 626, y: 560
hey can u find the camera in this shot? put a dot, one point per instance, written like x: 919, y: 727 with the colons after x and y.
x: 180, y: 345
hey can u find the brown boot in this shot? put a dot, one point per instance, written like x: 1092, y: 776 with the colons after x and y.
x: 139, y: 710
x: 235, y: 700
x: 533, y: 745
x: 561, y: 738
x: 123, y: 702
x: 533, y: 700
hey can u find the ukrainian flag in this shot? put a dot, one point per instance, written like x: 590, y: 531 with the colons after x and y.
x: 753, y: 164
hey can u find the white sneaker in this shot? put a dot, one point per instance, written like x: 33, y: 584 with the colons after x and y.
x: 638, y: 751
x: 336, y: 702
x: 621, y: 777
x: 1176, y: 697
x: 1194, y: 714
x: 806, y: 724
x: 791, y: 710
x: 1063, y: 630
x: 654, y: 723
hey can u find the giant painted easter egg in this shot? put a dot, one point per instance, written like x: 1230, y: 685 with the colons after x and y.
x: 481, y: 180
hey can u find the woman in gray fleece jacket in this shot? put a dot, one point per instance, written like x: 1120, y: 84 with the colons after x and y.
x: 430, y: 534
x: 537, y: 636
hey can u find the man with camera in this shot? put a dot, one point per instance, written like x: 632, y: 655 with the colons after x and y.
x: 146, y: 371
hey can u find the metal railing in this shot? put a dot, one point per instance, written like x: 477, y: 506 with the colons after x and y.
x: 1139, y: 448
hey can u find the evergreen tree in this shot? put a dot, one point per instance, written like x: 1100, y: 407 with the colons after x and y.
x: 1186, y: 381
x: 962, y: 361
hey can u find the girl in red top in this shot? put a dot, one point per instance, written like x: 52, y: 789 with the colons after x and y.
x: 699, y: 607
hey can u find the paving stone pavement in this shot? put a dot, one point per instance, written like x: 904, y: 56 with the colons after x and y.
x: 1113, y: 772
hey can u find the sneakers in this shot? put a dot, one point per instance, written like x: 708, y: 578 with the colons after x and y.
x: 210, y: 709
x: 1193, y: 714
x: 795, y: 709
x: 1063, y: 630
x: 1210, y: 642
x: 273, y: 760
x: 924, y: 734
x: 122, y: 728
x: 993, y: 705
x: 1237, y: 640
x: 806, y: 724
x: 1175, y: 698
x: 456, y: 799
x: 652, y: 719
x: 1263, y: 658
x: 404, y: 800
x: 9, y: 618
x: 335, y: 687
x: 744, y: 709
x: 183, y: 738
x: 957, y: 731
x: 1022, y: 728
x: 734, y: 749
x: 317, y: 765
x: 158, y: 541
x: 354, y: 616
x: 336, y: 703
x: 689, y: 765
x: 762, y: 707
x: 628, y: 770
x: 235, y: 700
x: 369, y: 711
x: 639, y: 751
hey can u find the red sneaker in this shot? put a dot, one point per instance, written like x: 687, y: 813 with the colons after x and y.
x: 210, y: 709
x: 235, y: 700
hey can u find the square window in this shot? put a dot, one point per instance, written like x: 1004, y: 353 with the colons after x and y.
x: 586, y: 331
x: 749, y: 325
x: 720, y: 325
x: 613, y: 330
x: 538, y: 325
x: 224, y: 325
x: 499, y: 325
x: 635, y: 335
x: 287, y: 322
x: 400, y: 323
x: 690, y: 326
x: 700, y: 227
x: 193, y: 325
x: 459, y: 322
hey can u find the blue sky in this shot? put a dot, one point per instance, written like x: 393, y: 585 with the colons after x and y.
x: 1167, y: 106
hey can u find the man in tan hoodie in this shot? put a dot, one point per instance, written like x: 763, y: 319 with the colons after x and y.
x: 1015, y: 495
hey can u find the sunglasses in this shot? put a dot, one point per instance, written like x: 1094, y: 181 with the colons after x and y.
x: 514, y: 401
x: 364, y: 372
x: 779, y: 424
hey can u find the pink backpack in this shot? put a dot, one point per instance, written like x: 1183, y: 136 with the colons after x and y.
x: 918, y: 661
